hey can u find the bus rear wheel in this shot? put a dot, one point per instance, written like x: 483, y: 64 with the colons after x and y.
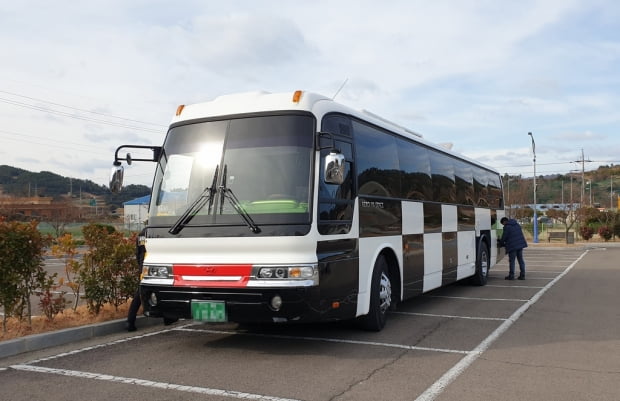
x: 380, y: 297
x: 483, y: 260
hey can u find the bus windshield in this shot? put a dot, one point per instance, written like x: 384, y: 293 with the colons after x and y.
x: 264, y: 163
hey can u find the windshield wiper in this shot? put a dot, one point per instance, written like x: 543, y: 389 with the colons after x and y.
x: 228, y: 194
x: 196, y: 206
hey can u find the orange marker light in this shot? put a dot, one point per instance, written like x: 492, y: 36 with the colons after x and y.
x: 335, y: 305
x: 180, y: 110
x: 297, y: 96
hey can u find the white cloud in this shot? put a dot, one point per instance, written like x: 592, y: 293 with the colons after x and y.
x: 480, y: 74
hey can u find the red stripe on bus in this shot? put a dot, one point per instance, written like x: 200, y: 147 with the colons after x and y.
x: 212, y: 270
x: 184, y: 273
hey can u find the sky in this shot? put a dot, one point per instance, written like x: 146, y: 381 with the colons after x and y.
x: 79, y: 79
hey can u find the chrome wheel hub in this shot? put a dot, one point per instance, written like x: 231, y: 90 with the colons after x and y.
x: 385, y: 293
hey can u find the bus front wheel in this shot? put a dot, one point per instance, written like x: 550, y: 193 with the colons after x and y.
x: 380, y: 297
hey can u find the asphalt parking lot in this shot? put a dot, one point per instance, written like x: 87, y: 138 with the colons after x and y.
x: 554, y: 336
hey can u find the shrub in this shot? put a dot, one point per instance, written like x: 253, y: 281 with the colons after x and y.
x: 51, y: 302
x: 605, y: 233
x: 110, y: 272
x: 21, y: 267
x: 66, y: 248
x: 586, y: 232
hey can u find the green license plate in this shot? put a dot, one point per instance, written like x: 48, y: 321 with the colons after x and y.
x: 209, y: 311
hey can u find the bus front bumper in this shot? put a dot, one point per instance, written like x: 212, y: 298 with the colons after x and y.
x: 248, y: 305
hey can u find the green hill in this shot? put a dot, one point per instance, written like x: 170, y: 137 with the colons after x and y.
x: 19, y: 182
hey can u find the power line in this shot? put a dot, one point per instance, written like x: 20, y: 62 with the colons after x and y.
x: 55, y: 146
x: 77, y: 117
x: 54, y: 140
x: 82, y: 110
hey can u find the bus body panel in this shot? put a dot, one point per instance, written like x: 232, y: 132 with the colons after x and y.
x: 232, y: 250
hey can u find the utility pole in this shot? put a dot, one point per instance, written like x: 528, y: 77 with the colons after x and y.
x: 611, y: 192
x: 583, y: 164
x: 535, y: 205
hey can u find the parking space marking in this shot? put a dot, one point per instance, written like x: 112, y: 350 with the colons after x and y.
x: 477, y: 299
x: 531, y: 278
x: 439, y: 386
x: 329, y: 340
x: 447, y: 316
x: 149, y: 383
x: 77, y: 351
x: 546, y: 271
x: 513, y: 286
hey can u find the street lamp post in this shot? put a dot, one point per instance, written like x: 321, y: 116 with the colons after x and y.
x: 535, y: 205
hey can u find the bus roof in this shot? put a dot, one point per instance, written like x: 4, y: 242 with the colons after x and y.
x: 260, y: 101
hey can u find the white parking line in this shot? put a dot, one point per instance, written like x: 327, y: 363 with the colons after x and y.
x: 513, y: 286
x: 149, y: 383
x: 440, y: 385
x: 77, y: 351
x: 477, y: 299
x: 329, y: 340
x: 448, y: 316
x: 547, y: 271
x: 530, y: 278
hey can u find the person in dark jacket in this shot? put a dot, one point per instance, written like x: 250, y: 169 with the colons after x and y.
x: 514, y: 241
x: 135, y: 302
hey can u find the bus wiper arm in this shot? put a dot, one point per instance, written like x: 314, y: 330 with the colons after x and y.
x: 195, y: 207
x: 228, y: 194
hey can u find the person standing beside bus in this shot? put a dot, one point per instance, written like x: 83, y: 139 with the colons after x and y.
x: 514, y: 241
x: 135, y: 302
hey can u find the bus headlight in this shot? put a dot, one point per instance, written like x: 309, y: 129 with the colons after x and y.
x: 157, y: 274
x: 303, y: 272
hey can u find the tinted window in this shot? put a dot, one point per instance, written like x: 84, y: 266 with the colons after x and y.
x: 480, y: 187
x: 416, y: 171
x: 442, y: 169
x: 336, y: 201
x: 336, y: 124
x: 464, y: 183
x: 494, y: 190
x: 377, y: 161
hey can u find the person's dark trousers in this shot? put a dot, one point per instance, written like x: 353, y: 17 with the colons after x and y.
x: 133, y: 311
x: 518, y: 255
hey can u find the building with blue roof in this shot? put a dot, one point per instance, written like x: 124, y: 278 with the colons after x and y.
x: 136, y: 213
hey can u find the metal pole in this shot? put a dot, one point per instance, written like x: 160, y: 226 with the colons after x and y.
x: 508, y: 197
x: 535, y: 204
x: 571, y: 191
x: 583, y: 182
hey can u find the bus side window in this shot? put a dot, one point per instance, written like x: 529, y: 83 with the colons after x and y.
x: 444, y: 184
x: 336, y: 201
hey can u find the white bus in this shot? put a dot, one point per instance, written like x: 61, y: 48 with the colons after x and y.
x: 292, y: 207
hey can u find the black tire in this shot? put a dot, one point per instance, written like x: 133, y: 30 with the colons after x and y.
x: 380, y: 297
x: 483, y: 263
x: 170, y: 320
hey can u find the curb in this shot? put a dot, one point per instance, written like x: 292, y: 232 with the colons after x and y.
x: 37, y: 342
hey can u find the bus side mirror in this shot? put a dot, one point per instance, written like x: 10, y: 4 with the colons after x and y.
x: 116, y: 179
x: 334, y: 168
